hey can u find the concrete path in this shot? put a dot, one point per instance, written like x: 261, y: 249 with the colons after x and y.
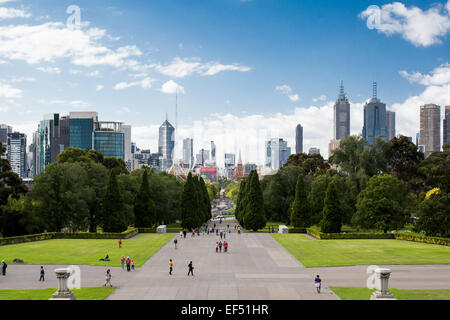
x: 255, y: 268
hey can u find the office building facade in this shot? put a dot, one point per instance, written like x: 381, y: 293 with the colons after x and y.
x: 390, y: 125
x: 82, y: 129
x: 341, y: 116
x: 166, y: 144
x: 4, y: 131
x: 374, y: 119
x: 16, y: 151
x: 430, y: 128
x: 313, y: 150
x: 188, y: 153
x: 109, y: 139
x: 277, y: 153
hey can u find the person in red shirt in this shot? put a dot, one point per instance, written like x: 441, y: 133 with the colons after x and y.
x: 120, y: 243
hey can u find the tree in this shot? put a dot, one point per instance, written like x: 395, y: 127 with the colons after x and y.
x: 381, y: 204
x: 114, y: 219
x: 446, y: 146
x: 189, y: 205
x: 241, y: 200
x: 300, y: 214
x: 79, y: 155
x: 310, y: 163
x: 317, y: 195
x: 144, y: 207
x: 116, y: 164
x: 332, y: 211
x: 254, y: 218
x: 436, y: 171
x: 433, y: 215
x: 95, y: 188
x: 403, y: 159
x: 206, y: 200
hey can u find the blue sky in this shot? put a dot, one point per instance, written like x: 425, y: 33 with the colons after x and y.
x: 229, y: 57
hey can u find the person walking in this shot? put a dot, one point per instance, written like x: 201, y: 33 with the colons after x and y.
x: 221, y: 235
x: 4, y: 266
x: 132, y: 265
x: 42, y: 273
x: 108, y: 278
x: 224, y: 235
x: 122, y: 262
x: 220, y: 246
x: 170, y: 266
x: 273, y: 229
x: 184, y: 233
x: 318, y: 283
x: 120, y: 243
x: 175, y: 242
x: 191, y: 269
x: 225, y: 246
x: 217, y: 247
x: 239, y: 230
x: 128, y: 261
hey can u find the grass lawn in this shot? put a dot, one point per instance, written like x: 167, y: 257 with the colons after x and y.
x: 360, y: 293
x: 85, y: 251
x: 100, y: 293
x: 329, y: 253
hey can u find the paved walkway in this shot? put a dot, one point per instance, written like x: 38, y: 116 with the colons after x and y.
x: 255, y: 268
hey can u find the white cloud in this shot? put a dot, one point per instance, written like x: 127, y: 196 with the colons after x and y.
x: 171, y: 87
x: 53, y: 40
x: 95, y: 73
x: 286, y: 89
x: 421, y: 28
x: 293, y: 97
x: 54, y: 70
x: 180, y: 68
x: 99, y: 87
x: 145, y: 84
x: 321, y: 98
x: 4, y: 108
x: 6, y: 91
x: 439, y: 76
x: 10, y: 13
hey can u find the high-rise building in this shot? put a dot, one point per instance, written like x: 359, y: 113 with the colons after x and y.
x: 299, y: 139
x: 341, y: 119
x: 202, y: 157
x: 82, y: 129
x: 447, y: 126
x: 188, y: 152
x: 333, y: 145
x: 390, y: 125
x: 277, y: 153
x: 313, y: 150
x: 230, y: 160
x: 374, y: 118
x: 4, y: 131
x: 16, y: 151
x: 249, y: 167
x: 166, y: 144
x: 126, y: 129
x: 430, y: 128
x: 109, y: 139
x: 213, y: 151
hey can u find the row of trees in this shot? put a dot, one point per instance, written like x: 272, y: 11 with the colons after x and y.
x: 195, y: 203
x: 83, y: 191
x: 250, y: 205
x: 375, y: 187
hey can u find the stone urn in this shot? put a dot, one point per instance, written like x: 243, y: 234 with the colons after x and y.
x: 382, y: 292
x: 63, y: 292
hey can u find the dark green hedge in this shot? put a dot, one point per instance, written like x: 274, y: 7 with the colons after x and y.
x: 69, y: 235
x: 297, y: 230
x: 27, y: 238
x: 424, y: 239
x: 330, y: 236
x: 147, y: 230
x: 153, y: 230
x: 313, y: 232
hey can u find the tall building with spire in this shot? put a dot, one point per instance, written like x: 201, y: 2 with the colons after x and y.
x: 166, y: 144
x: 374, y: 118
x: 239, y: 171
x: 341, y: 121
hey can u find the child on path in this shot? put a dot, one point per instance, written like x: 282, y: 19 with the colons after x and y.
x: 132, y: 264
x: 108, y: 278
x: 225, y: 246
x: 220, y: 246
x: 318, y: 283
x: 175, y: 242
x: 217, y: 247
x: 42, y: 272
x: 122, y: 262
x: 128, y: 261
x: 191, y: 269
x: 170, y: 266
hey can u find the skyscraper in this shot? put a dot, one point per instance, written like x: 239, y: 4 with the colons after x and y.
x: 374, y: 118
x: 213, y: 151
x: 341, y: 115
x: 313, y: 150
x: 202, y: 157
x: 166, y: 144
x: 447, y: 126
x: 16, y: 150
x: 430, y: 128
x: 82, y: 129
x: 277, y: 153
x: 126, y: 129
x: 188, y: 152
x: 390, y: 124
x: 230, y: 160
x: 109, y: 139
x: 4, y: 130
x: 299, y: 139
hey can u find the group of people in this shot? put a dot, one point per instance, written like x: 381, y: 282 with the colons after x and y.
x: 219, y: 246
x: 128, y: 262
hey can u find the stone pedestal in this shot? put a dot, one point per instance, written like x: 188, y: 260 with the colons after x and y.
x: 382, y: 292
x: 283, y: 229
x: 63, y: 292
x: 161, y: 229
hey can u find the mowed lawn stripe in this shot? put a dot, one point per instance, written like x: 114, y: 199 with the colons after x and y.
x: 329, y: 253
x: 85, y: 251
x: 100, y: 293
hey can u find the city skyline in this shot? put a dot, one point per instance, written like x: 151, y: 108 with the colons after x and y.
x: 237, y: 98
